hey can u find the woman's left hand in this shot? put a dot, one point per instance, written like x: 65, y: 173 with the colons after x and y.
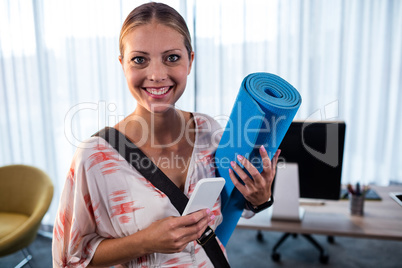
x: 256, y: 190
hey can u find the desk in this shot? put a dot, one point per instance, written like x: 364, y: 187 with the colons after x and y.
x: 381, y: 220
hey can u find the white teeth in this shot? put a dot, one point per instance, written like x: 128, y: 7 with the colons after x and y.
x: 157, y: 91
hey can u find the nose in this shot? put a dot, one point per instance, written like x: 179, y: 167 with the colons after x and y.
x: 157, y: 71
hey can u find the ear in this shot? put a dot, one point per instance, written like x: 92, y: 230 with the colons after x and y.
x: 191, y: 62
x: 121, y: 61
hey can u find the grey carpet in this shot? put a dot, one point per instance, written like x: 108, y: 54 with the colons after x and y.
x: 244, y: 250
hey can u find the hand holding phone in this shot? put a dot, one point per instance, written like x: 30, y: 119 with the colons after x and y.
x: 205, y: 194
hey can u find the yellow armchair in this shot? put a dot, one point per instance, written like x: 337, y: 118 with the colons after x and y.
x: 25, y: 195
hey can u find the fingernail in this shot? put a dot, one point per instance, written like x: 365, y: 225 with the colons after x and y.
x: 212, y: 217
x: 240, y: 157
x: 232, y: 163
x: 208, y: 211
x: 262, y: 148
x: 230, y: 171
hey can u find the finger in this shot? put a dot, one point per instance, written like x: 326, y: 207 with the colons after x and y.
x: 194, y: 217
x: 252, y: 170
x: 210, y: 216
x: 200, y: 227
x: 240, y: 172
x: 266, y: 162
x: 192, y: 232
x: 274, y: 163
x: 242, y: 189
x: 276, y: 157
x: 241, y: 180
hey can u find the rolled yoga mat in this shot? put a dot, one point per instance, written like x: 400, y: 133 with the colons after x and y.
x: 263, y: 111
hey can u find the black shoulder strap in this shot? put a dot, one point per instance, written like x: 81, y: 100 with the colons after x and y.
x: 151, y: 172
x: 144, y: 165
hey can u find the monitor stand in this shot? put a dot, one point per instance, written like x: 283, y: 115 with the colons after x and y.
x: 287, y: 193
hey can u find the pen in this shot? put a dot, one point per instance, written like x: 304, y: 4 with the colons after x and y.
x: 358, y: 189
x: 350, y: 189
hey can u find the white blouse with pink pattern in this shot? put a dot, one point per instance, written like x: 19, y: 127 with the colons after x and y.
x: 105, y: 197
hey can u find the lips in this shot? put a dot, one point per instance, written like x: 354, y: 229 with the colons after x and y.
x: 157, y: 91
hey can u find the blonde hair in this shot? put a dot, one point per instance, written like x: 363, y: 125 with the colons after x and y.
x: 159, y: 12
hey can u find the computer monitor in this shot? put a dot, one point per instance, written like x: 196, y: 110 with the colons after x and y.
x: 317, y: 148
x: 310, y: 167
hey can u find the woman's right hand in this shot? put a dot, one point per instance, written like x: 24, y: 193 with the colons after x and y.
x: 169, y: 235
x: 172, y: 234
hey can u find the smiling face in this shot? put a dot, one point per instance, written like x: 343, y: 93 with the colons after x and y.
x: 156, y: 65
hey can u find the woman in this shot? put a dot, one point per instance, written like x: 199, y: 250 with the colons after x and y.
x: 109, y: 214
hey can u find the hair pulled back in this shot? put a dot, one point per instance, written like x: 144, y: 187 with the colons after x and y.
x: 159, y: 12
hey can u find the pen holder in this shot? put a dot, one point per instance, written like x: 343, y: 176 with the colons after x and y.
x: 356, y: 204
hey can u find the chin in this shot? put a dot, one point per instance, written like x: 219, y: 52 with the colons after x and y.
x: 161, y: 108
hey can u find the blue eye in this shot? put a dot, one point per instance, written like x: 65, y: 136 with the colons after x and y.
x: 173, y: 58
x: 138, y: 60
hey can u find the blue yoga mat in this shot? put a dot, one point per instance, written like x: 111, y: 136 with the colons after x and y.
x: 263, y: 111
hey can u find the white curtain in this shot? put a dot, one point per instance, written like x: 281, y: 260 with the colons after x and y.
x: 344, y: 57
x: 60, y: 79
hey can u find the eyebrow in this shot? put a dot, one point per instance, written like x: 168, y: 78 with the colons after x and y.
x: 165, y: 52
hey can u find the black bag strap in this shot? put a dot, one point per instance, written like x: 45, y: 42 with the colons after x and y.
x: 151, y: 172
x: 144, y: 165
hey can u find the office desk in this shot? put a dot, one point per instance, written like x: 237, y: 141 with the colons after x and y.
x: 381, y: 220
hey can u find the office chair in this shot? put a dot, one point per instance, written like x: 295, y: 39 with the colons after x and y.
x: 25, y: 195
x: 324, y: 258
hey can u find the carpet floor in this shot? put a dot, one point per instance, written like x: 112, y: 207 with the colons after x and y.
x: 245, y: 250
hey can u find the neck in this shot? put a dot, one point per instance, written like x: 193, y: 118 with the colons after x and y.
x: 158, y: 129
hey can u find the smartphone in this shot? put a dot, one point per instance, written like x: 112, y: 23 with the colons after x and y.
x: 205, y: 194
